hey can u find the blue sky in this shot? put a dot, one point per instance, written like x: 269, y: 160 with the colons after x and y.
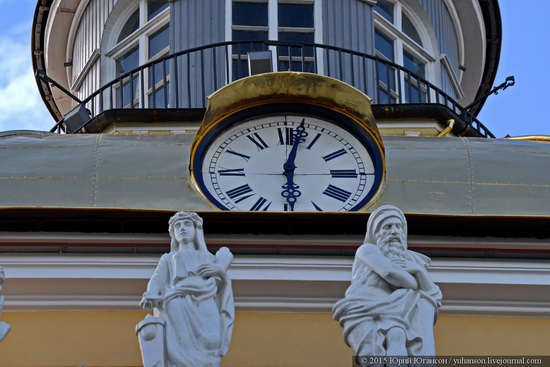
x: 519, y: 110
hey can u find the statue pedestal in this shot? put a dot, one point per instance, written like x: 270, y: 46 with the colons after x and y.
x: 4, y: 330
x: 150, y: 332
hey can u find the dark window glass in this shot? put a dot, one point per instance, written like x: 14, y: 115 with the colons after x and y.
x: 410, y: 30
x: 246, y: 37
x: 251, y: 14
x: 413, y: 65
x: 297, y: 37
x: 414, y: 93
x: 296, y: 15
x: 159, y: 40
x: 386, y: 73
x: 157, y: 99
x: 385, y: 9
x: 158, y: 72
x: 384, y: 45
x: 127, y: 95
x: 249, y: 36
x: 240, y: 68
x: 155, y: 7
x: 127, y: 62
x: 300, y: 65
x: 132, y: 25
x: 384, y: 97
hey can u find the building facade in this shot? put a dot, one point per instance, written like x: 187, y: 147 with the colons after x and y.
x: 147, y: 95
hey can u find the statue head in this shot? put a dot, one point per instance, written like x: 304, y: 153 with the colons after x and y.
x: 197, y: 234
x: 387, y: 228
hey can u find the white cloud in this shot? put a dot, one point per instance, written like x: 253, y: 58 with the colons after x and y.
x: 21, y: 106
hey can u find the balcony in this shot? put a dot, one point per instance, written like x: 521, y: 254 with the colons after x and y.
x: 185, y: 79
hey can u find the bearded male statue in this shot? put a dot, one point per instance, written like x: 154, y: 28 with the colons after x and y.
x: 192, y: 298
x: 391, y: 305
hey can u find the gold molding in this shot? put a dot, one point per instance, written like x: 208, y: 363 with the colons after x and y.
x: 281, y: 87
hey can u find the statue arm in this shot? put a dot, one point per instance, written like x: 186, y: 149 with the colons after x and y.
x: 155, y: 288
x: 218, y: 269
x: 213, y: 271
x: 224, y: 258
x: 425, y: 282
x: 224, y: 298
x: 392, y: 273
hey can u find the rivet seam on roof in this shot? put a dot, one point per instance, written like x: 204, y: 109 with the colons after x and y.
x: 95, y: 170
x: 481, y: 183
x: 470, y: 168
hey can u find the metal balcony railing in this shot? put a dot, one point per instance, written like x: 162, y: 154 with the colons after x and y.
x: 185, y: 79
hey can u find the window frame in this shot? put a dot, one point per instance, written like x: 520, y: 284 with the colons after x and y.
x: 402, y: 44
x: 140, y: 39
x: 273, y: 29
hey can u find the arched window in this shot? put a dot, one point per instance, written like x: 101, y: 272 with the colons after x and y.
x: 398, y: 38
x: 143, y: 37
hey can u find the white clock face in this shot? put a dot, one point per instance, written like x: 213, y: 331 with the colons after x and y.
x: 287, y: 162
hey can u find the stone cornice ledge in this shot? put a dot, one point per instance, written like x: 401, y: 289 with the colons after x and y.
x: 268, y: 283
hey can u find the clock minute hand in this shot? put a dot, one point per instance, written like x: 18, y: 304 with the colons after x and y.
x: 298, y: 136
x: 290, y: 190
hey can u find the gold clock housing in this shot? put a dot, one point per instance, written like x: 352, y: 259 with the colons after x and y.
x: 288, y: 142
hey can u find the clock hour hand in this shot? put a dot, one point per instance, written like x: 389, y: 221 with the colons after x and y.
x: 290, y: 190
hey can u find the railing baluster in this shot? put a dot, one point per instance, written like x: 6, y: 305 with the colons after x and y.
x: 340, y: 66
x: 175, y: 82
x: 215, y: 71
x: 188, y: 81
x: 132, y: 89
x: 151, y: 85
x: 329, y: 64
x: 203, y: 83
x: 315, y: 63
x: 352, y: 70
x: 227, y: 64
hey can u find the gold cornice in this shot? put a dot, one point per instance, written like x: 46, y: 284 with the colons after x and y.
x: 540, y: 138
x: 281, y: 87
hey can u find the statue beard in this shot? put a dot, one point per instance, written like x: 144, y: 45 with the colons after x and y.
x: 393, y: 246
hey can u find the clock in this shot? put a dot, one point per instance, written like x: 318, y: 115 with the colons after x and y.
x: 293, y: 157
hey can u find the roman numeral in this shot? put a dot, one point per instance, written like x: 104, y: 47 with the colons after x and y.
x: 337, y: 193
x: 257, y: 139
x: 335, y: 154
x: 343, y: 173
x: 261, y: 205
x: 240, y: 193
x: 231, y: 172
x: 244, y: 156
x: 317, y: 207
x: 313, y: 141
x: 286, y: 136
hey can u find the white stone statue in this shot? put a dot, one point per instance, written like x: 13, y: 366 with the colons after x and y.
x: 193, y: 300
x: 391, y: 305
x: 4, y: 327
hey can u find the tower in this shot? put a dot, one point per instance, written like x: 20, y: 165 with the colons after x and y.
x: 141, y: 91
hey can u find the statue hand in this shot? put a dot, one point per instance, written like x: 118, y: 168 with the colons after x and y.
x: 401, y: 262
x: 411, y: 267
x: 150, y: 300
x: 210, y: 270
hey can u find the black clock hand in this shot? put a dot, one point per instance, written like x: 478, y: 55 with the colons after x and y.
x: 290, y: 190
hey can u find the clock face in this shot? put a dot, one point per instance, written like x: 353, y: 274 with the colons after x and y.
x: 288, y: 162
